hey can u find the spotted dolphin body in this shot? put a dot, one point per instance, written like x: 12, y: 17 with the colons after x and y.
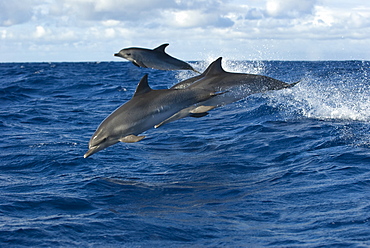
x: 155, y: 58
x: 236, y: 85
x: 146, y: 108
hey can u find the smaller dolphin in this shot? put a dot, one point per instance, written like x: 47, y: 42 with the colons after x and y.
x: 146, y: 109
x: 155, y: 58
x: 236, y: 86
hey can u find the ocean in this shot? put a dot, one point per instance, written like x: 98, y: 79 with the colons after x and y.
x: 287, y: 168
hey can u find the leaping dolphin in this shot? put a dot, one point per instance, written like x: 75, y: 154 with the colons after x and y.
x: 146, y: 108
x: 235, y: 85
x: 155, y: 58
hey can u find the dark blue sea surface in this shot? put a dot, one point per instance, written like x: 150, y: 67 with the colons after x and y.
x: 288, y: 168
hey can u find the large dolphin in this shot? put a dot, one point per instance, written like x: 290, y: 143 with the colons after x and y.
x: 235, y: 85
x: 155, y: 58
x: 146, y: 108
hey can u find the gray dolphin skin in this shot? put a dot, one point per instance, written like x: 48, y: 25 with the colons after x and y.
x: 216, y: 78
x: 143, y: 111
x: 235, y: 85
x: 155, y: 58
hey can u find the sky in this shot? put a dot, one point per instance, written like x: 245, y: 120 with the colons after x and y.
x: 93, y: 30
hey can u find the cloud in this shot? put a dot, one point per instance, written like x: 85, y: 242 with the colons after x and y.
x: 100, y: 26
x: 332, y: 23
x: 195, y: 18
x: 98, y: 10
x: 153, y: 13
x: 15, y: 12
x: 40, y: 32
x: 290, y: 8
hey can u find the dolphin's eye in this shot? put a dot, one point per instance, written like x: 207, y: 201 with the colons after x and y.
x: 128, y: 54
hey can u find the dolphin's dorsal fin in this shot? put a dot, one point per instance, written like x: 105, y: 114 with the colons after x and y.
x: 161, y: 48
x: 143, y: 86
x: 214, y: 68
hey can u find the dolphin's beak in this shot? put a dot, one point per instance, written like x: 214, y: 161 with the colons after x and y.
x: 117, y: 55
x: 91, y: 151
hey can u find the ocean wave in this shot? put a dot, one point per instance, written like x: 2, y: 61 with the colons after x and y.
x: 282, y: 168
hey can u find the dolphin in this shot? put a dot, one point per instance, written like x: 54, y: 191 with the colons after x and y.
x: 235, y: 85
x: 145, y: 109
x: 155, y: 58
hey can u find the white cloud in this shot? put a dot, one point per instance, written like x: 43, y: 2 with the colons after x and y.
x: 290, y: 8
x: 195, y: 18
x: 15, y: 12
x: 40, y: 32
x: 110, y: 23
x: 124, y: 10
x: 247, y: 29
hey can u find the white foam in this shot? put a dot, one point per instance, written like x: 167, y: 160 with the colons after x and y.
x: 344, y: 100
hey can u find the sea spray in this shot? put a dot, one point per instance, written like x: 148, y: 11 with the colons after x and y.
x: 325, y: 99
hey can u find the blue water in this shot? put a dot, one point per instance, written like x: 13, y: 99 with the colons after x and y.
x: 288, y: 168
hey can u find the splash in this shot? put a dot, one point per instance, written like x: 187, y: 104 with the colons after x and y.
x: 343, y: 99
x: 342, y: 94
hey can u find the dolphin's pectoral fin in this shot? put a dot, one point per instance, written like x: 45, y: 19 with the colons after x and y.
x: 193, y: 111
x: 198, y: 115
x: 179, y: 115
x: 131, y: 138
x: 201, y: 109
x: 139, y: 64
x: 133, y: 62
